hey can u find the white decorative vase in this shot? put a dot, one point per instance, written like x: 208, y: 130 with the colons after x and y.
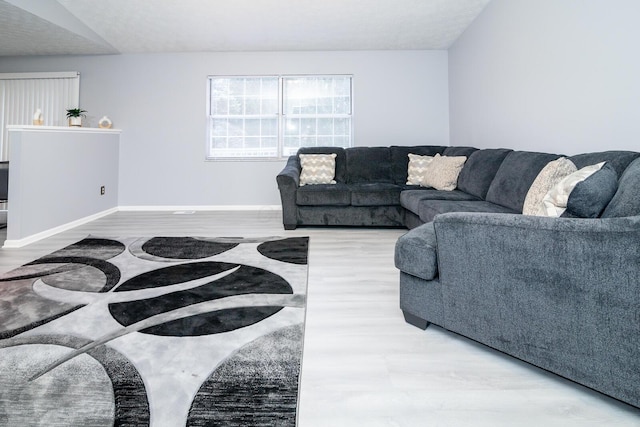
x: 75, y: 121
x: 105, y: 123
x: 38, y: 120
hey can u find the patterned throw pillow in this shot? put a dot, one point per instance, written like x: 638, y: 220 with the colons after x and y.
x: 417, y: 167
x: 317, y: 169
x: 548, y: 177
x: 442, y: 172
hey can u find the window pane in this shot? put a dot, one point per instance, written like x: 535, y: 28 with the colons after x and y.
x: 270, y: 105
x: 219, y: 142
x: 342, y: 126
x: 252, y: 127
x: 219, y: 127
x: 342, y: 105
x: 270, y: 142
x: 250, y: 142
x: 236, y: 87
x: 292, y: 142
x: 252, y: 106
x: 236, y: 127
x: 308, y: 126
x: 292, y: 127
x: 309, y: 141
x: 252, y: 86
x: 325, y: 141
x: 236, y: 106
x: 220, y: 106
x: 269, y: 127
x: 325, y: 126
x: 236, y: 142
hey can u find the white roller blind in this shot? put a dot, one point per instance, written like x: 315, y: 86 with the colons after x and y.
x: 21, y: 94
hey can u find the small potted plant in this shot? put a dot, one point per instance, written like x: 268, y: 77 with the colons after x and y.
x: 75, y: 116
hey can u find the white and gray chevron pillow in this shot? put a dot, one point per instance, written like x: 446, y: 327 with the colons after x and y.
x: 318, y: 169
x: 417, y: 168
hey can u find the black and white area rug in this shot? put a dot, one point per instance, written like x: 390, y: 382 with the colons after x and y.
x: 163, y: 331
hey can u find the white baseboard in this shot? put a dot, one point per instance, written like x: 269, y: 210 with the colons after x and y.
x: 18, y: 243
x: 202, y: 208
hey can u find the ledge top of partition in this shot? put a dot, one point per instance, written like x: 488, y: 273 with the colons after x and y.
x: 60, y: 129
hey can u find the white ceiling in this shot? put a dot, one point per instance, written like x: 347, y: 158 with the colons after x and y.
x: 79, y: 27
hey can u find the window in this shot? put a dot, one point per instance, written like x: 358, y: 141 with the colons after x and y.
x: 271, y: 117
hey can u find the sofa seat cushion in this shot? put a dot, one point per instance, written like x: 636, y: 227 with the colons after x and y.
x: 428, y: 209
x: 416, y: 252
x: 375, y: 194
x: 411, y: 199
x: 323, y: 195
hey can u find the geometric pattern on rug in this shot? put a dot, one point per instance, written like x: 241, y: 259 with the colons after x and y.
x: 161, y: 331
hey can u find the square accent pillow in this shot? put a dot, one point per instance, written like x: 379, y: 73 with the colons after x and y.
x: 547, y: 178
x: 318, y: 169
x: 417, y: 167
x: 442, y: 172
x: 555, y: 201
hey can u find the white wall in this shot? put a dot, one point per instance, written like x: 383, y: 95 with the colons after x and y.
x: 548, y: 75
x: 158, y: 100
x: 55, y: 176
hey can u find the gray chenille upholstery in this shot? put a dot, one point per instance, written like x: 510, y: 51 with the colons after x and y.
x: 559, y: 293
x: 416, y: 252
x: 513, y: 179
x: 479, y: 170
x: 376, y: 178
x: 626, y: 201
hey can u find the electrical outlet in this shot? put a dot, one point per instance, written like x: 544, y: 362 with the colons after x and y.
x: 102, y: 190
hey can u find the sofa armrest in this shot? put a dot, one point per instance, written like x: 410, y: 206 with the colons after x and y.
x: 563, y: 294
x: 288, y: 181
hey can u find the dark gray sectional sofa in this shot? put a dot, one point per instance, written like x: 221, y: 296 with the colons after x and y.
x: 369, y: 183
x: 560, y: 293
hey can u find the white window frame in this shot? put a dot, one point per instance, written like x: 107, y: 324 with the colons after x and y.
x: 210, y: 153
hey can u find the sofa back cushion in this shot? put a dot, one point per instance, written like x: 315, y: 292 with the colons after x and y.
x: 479, y: 170
x: 459, y: 151
x: 626, y: 201
x: 368, y: 164
x: 514, y: 178
x: 619, y: 160
x: 400, y: 159
x: 341, y: 159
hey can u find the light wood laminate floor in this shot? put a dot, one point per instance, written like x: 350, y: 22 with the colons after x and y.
x: 362, y: 364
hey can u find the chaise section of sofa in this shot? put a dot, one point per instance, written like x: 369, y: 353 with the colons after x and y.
x: 559, y: 293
